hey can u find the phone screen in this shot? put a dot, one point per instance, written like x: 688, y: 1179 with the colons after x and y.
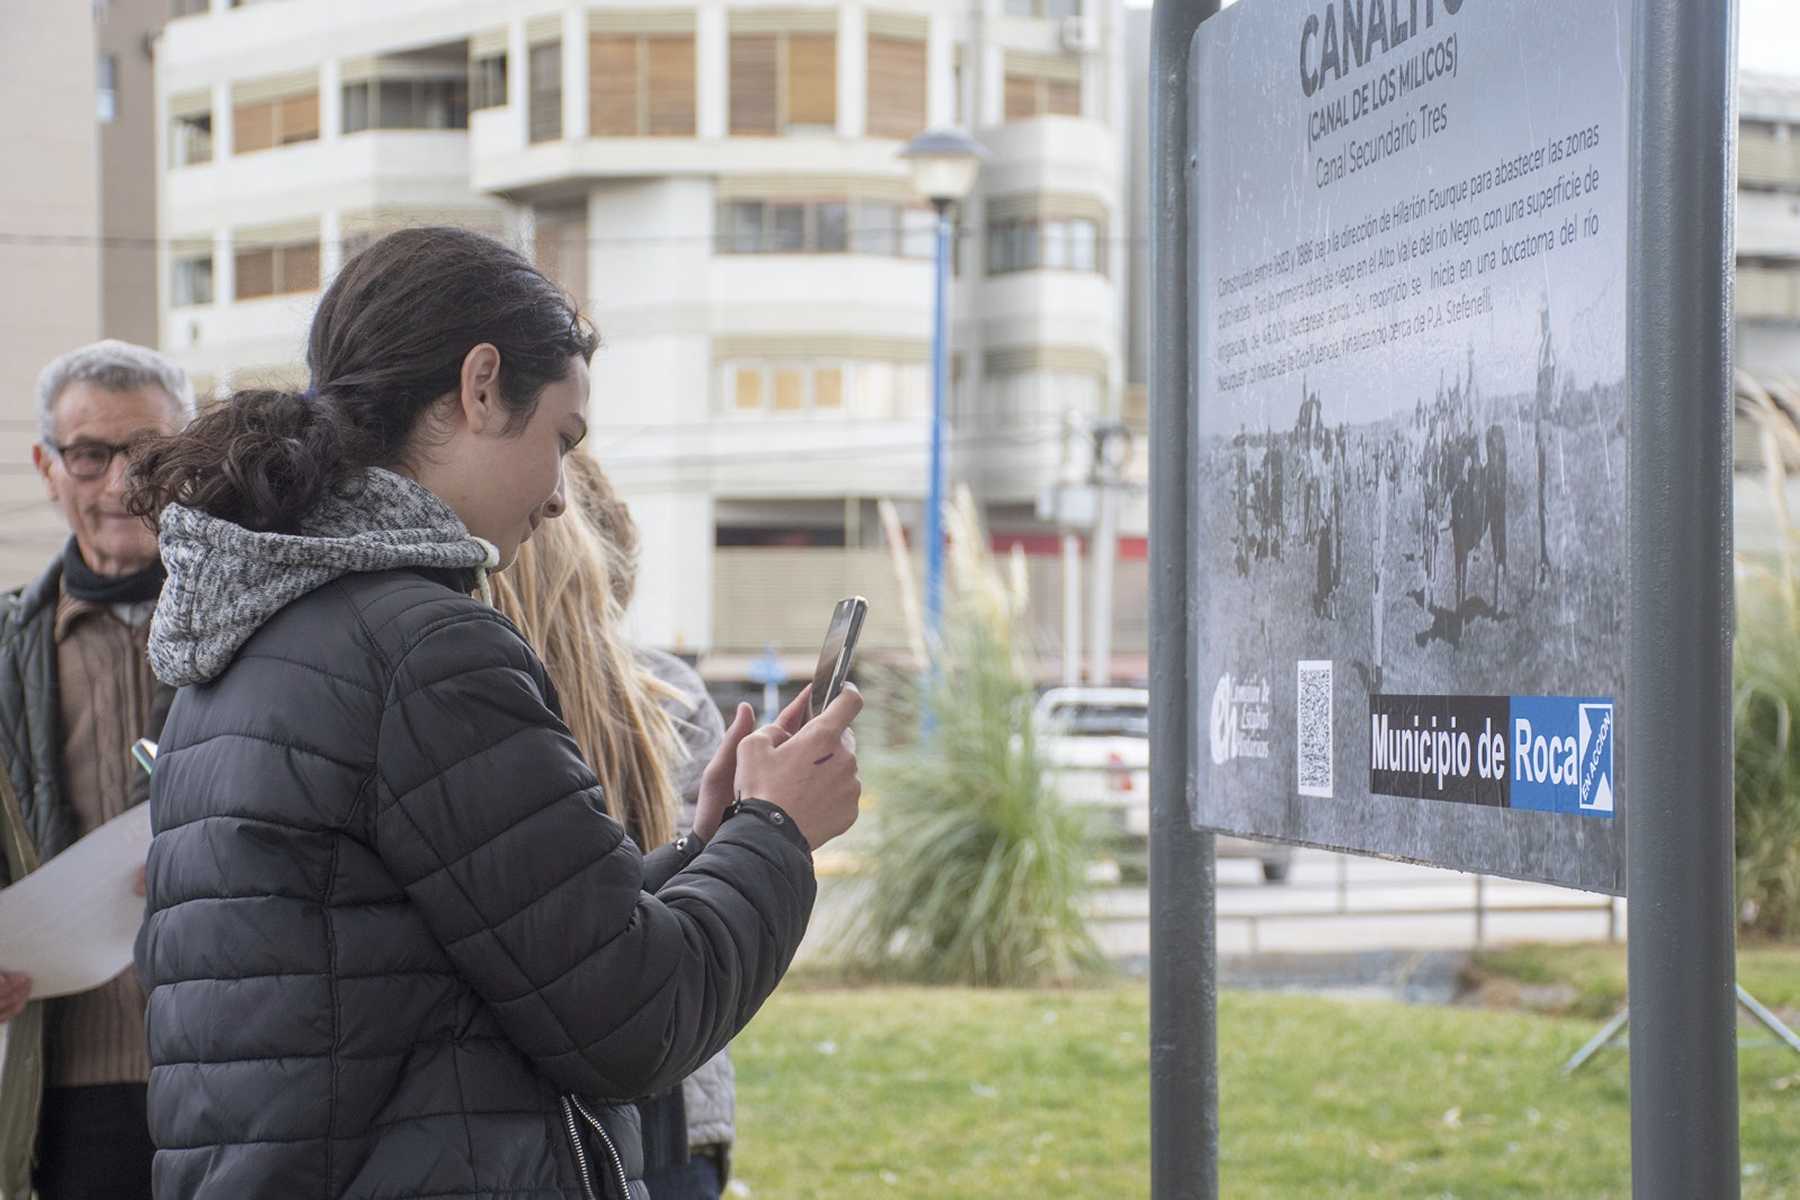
x: 835, y: 654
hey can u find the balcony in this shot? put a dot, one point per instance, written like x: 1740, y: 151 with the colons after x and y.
x: 1768, y: 293
x: 1052, y: 306
x: 778, y: 597
x: 373, y: 169
x: 770, y: 455
x: 1768, y: 224
x: 876, y: 296
x: 504, y: 162
x: 1768, y: 161
x: 213, y: 339
x: 1052, y: 154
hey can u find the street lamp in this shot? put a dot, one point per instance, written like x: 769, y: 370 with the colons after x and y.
x: 944, y: 163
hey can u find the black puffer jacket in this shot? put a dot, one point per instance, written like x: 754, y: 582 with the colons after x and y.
x: 390, y: 929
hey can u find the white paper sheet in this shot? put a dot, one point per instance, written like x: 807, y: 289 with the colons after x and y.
x: 71, y: 923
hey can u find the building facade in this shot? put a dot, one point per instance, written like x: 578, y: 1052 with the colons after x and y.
x: 720, y: 184
x: 78, y: 234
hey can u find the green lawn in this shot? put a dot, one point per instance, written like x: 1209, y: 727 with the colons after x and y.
x: 1589, y: 981
x: 950, y: 1093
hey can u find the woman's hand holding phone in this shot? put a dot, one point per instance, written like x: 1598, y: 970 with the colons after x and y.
x: 807, y: 768
x: 832, y: 771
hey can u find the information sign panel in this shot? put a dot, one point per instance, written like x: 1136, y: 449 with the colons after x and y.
x: 1410, y: 527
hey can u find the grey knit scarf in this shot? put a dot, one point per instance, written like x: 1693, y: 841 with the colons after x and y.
x: 226, y: 581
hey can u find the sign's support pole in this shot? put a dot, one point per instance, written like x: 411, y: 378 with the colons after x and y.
x: 1184, y: 1080
x: 1677, y: 740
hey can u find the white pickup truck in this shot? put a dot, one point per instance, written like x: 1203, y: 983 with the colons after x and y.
x: 1095, y: 743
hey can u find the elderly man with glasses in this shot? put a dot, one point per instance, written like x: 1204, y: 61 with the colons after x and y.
x: 75, y: 692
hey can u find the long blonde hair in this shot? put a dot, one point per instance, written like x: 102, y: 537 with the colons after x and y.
x: 561, y: 593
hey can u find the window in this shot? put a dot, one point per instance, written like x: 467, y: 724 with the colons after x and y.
x: 277, y: 270
x: 811, y: 80
x: 641, y: 85
x: 1055, y: 10
x: 824, y: 226
x: 747, y: 389
x: 897, y: 230
x: 1031, y: 94
x: 265, y: 124
x: 546, y: 92
x: 1768, y: 157
x: 107, y: 97
x: 193, y: 281
x: 1058, y: 244
x: 831, y: 227
x: 487, y: 82
x: 297, y: 119
x: 358, y: 108
x: 190, y: 141
x: 782, y: 81
x: 406, y: 104
x: 918, y: 233
x: 896, y: 86
x: 874, y: 389
x: 791, y: 387
x: 877, y: 229
x: 1011, y: 399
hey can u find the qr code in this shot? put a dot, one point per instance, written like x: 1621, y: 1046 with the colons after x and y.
x: 1313, y: 740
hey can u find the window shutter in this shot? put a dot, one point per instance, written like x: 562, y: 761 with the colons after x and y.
x: 546, y: 92
x: 753, y: 84
x: 613, y: 85
x: 812, y: 79
x: 252, y: 126
x: 300, y: 267
x: 255, y: 273
x: 748, y: 387
x: 790, y: 389
x: 298, y: 120
x: 1065, y: 98
x: 1021, y: 97
x: 672, y: 85
x: 896, y: 87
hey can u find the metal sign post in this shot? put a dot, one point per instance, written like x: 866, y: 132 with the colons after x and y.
x: 1184, y: 1077
x: 1677, y: 737
x: 1379, y: 263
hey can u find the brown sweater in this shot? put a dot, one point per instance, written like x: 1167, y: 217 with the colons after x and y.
x: 105, y: 690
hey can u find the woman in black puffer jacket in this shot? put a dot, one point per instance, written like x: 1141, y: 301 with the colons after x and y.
x: 396, y: 949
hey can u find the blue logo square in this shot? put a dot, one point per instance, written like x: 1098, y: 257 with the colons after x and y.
x: 1560, y: 751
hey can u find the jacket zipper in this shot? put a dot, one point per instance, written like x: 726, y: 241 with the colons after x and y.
x: 612, y: 1151
x: 581, y: 1162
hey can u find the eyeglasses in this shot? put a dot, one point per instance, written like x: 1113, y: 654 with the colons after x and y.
x: 88, y: 459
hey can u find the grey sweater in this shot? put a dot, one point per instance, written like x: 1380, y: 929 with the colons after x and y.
x: 710, y: 1093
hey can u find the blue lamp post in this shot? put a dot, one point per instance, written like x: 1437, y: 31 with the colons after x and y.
x: 944, y: 163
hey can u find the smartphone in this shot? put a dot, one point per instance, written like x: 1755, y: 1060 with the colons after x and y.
x: 835, y: 655
x: 144, y: 750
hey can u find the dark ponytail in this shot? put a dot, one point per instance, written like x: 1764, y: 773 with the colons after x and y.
x: 387, y: 343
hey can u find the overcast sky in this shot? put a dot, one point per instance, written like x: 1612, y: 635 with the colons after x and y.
x: 1769, y: 35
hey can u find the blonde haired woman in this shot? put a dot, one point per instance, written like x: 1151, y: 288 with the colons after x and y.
x: 644, y: 722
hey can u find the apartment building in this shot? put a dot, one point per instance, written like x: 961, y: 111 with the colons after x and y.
x: 720, y: 183
x: 77, y: 222
x: 1768, y: 224
x: 1768, y: 277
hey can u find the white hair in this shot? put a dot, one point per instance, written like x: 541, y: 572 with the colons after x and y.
x: 117, y: 367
